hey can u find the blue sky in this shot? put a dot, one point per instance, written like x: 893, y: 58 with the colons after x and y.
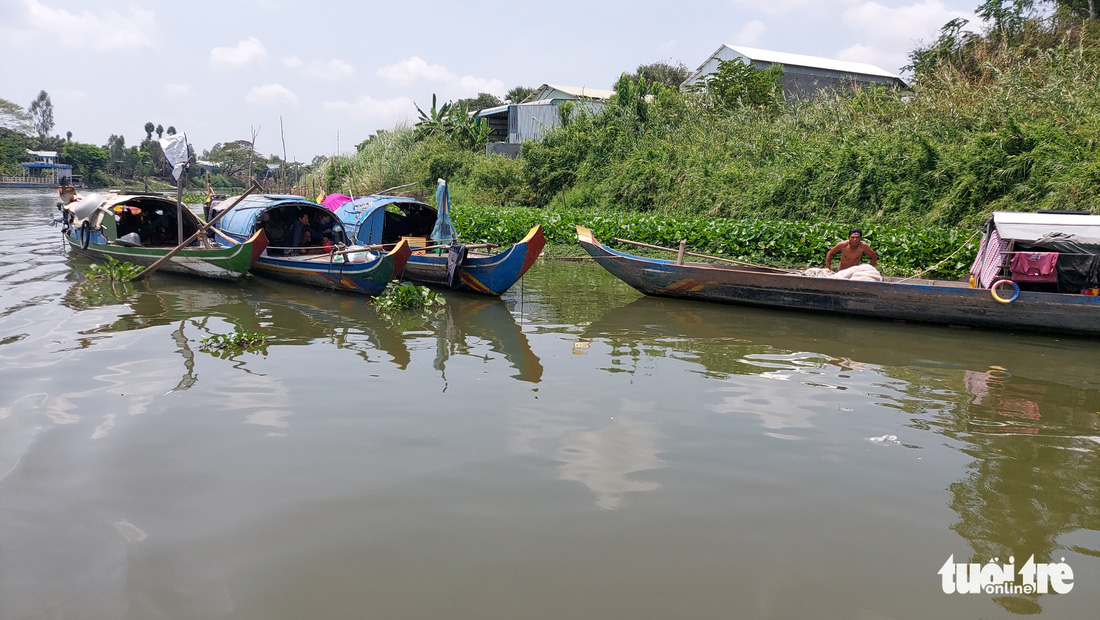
x: 334, y: 72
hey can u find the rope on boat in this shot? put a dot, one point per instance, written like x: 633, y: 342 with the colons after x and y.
x: 924, y: 271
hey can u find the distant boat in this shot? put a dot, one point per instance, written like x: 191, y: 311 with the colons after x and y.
x: 140, y: 229
x: 999, y: 304
x: 329, y: 262
x: 387, y: 220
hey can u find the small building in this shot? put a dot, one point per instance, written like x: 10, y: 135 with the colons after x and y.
x: 510, y: 125
x: 803, y: 76
x: 43, y: 171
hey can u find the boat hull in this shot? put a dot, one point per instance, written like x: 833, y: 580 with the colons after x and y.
x: 369, y: 278
x: 222, y: 263
x: 487, y: 275
x: 327, y: 270
x: 926, y: 301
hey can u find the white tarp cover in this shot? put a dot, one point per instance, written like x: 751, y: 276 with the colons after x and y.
x: 1034, y: 226
x: 175, y: 151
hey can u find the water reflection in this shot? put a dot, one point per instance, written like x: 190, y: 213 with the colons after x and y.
x: 1027, y: 419
x: 607, y: 457
x: 294, y: 317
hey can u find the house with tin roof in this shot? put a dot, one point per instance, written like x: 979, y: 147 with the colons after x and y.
x: 511, y: 124
x: 803, y: 76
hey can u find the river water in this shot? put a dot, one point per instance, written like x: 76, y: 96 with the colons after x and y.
x: 572, y: 450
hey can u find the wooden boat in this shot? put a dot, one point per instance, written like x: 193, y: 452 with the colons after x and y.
x: 142, y: 229
x: 339, y: 265
x: 387, y: 219
x: 928, y: 301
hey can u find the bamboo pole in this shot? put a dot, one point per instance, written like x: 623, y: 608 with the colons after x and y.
x: 717, y: 258
x: 202, y: 230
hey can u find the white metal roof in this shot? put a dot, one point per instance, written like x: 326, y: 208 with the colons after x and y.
x: 543, y: 92
x: 786, y: 58
x: 1021, y: 226
x: 794, y: 60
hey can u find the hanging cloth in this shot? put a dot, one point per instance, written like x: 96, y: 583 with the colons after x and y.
x: 456, y: 257
x: 444, y: 230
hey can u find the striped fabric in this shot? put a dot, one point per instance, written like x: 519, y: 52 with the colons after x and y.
x: 990, y: 258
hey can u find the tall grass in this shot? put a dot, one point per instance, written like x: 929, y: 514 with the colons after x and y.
x: 380, y: 162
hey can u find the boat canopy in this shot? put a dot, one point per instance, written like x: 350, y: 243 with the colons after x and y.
x: 368, y: 221
x: 1031, y: 227
x: 243, y: 216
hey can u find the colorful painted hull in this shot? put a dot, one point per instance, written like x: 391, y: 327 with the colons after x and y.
x: 374, y: 220
x: 92, y: 231
x: 370, y: 278
x: 329, y: 271
x: 485, y: 274
x: 927, y: 301
x: 225, y: 263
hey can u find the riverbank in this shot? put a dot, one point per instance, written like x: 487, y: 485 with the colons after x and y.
x: 903, y: 250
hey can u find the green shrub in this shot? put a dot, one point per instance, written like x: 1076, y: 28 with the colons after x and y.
x: 115, y: 271
x: 240, y: 340
x: 407, y: 296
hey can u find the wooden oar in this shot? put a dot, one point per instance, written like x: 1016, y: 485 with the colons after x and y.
x: 202, y: 230
x: 680, y: 252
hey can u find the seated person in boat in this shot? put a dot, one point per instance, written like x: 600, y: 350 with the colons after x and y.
x: 851, y: 251
x: 302, y: 235
x: 158, y: 228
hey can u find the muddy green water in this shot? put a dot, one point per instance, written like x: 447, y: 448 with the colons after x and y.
x: 572, y: 450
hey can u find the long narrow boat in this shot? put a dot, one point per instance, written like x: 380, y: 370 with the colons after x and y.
x: 928, y: 301
x: 331, y: 262
x: 141, y: 229
x: 387, y: 219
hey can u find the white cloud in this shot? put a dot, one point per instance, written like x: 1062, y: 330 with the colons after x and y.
x: 271, y: 95
x: 369, y: 108
x: 330, y: 70
x: 667, y: 46
x: 325, y: 70
x: 29, y: 21
x: 890, y: 33
x: 901, y: 25
x: 175, y: 91
x: 752, y: 34
x: 412, y: 70
x: 778, y: 7
x: 450, y: 85
x: 247, y: 52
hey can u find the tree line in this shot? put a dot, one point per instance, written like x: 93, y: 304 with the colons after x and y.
x: 114, y: 164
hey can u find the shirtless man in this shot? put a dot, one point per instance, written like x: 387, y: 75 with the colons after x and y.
x: 851, y: 251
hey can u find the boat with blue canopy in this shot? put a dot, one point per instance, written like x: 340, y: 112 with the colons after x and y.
x: 387, y: 220
x: 308, y: 245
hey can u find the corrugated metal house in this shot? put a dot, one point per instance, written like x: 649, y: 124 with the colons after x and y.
x: 530, y: 119
x: 802, y: 75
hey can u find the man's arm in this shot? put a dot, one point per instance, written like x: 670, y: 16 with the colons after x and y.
x: 829, y: 256
x: 871, y: 253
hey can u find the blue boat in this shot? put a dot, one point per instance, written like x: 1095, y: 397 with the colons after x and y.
x: 386, y: 220
x: 324, y: 259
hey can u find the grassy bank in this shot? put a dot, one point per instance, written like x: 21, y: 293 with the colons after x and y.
x: 995, y: 124
x: 902, y: 250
